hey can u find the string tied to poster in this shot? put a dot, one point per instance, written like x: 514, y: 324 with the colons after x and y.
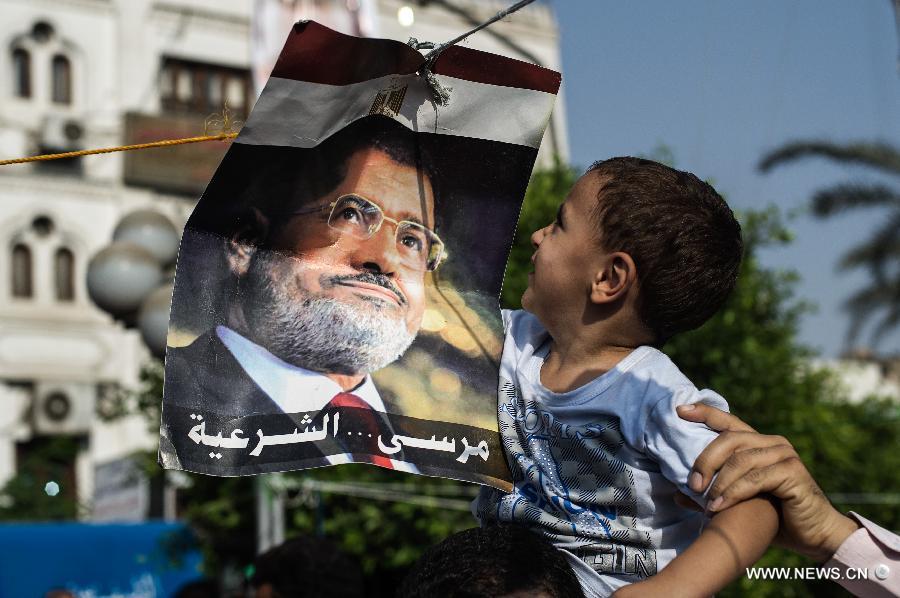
x: 220, y: 126
x: 440, y: 92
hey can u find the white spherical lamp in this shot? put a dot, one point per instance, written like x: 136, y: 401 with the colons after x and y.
x: 120, y: 277
x: 152, y: 231
x: 153, y: 319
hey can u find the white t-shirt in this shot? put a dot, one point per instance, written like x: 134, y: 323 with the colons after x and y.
x: 596, y: 468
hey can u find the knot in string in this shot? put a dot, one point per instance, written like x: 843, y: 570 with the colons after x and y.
x: 440, y: 93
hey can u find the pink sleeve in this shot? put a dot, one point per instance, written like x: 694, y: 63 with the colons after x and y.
x: 869, y: 561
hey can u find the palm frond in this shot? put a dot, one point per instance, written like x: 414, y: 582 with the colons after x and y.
x: 876, y: 252
x: 873, y: 297
x: 887, y: 324
x: 867, y: 302
x: 875, y: 256
x: 832, y: 200
x: 878, y: 155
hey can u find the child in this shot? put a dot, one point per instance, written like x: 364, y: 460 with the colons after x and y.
x: 638, y: 252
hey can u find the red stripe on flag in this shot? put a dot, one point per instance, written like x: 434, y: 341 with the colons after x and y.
x: 484, y: 67
x: 317, y: 54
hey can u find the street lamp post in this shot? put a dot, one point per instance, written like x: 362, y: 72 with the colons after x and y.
x: 132, y: 280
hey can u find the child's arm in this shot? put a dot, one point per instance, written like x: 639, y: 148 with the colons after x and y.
x: 735, y: 539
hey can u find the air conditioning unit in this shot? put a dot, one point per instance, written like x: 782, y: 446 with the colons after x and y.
x: 63, y: 408
x: 62, y: 134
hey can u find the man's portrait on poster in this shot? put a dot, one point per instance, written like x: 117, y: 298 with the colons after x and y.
x: 322, y: 259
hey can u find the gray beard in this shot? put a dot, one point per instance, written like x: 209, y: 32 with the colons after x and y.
x: 316, y: 332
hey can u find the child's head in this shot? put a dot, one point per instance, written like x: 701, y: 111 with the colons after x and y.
x: 673, y: 231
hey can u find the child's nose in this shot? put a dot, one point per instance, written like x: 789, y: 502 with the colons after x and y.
x: 537, y: 236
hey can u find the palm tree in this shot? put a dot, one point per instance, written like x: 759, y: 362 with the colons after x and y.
x: 880, y: 253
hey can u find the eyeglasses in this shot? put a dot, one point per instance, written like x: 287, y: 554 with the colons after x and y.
x: 419, y: 247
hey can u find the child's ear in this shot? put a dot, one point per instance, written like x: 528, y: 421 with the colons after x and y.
x: 240, y: 248
x: 616, y: 277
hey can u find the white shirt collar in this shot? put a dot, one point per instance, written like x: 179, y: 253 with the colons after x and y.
x: 294, y: 389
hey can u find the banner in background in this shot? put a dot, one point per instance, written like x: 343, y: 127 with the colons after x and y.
x: 273, y: 19
x: 336, y: 296
x: 140, y: 560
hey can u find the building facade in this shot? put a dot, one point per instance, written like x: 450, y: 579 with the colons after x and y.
x: 77, y: 75
x: 81, y: 74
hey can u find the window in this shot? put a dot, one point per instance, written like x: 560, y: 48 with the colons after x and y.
x: 42, y: 31
x: 197, y: 87
x: 21, y: 61
x: 42, y: 226
x: 21, y: 271
x: 62, y: 80
x: 64, y: 268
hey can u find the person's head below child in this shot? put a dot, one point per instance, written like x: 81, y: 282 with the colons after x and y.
x: 638, y: 252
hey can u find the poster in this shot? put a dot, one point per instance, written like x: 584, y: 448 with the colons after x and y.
x: 336, y: 292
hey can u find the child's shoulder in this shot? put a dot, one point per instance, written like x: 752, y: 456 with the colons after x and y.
x: 656, y: 365
x: 659, y: 381
x: 665, y: 386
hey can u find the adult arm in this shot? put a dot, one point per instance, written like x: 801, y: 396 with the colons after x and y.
x: 749, y: 463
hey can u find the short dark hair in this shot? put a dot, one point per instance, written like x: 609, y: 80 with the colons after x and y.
x: 491, y: 561
x: 308, y: 566
x: 295, y: 178
x: 682, y: 236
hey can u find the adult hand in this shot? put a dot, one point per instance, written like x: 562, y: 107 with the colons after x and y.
x: 749, y: 463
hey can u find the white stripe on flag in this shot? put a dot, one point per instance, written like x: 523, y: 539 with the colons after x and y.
x: 303, y: 114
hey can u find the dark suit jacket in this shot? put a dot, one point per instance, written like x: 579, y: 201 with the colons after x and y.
x: 205, y: 375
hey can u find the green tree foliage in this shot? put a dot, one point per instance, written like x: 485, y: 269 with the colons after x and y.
x: 880, y: 252
x: 47, y: 459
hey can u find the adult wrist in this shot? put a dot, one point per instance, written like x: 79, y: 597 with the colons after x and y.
x: 841, y: 529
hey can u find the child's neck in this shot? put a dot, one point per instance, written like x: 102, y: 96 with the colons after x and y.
x: 578, y: 358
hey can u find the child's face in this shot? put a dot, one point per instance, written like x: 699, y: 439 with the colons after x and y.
x: 566, y: 256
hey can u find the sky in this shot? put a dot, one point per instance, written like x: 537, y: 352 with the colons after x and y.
x: 721, y: 82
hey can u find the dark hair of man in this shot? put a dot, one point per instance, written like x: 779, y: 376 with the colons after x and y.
x: 291, y: 178
x: 308, y: 567
x: 682, y: 236
x: 491, y: 561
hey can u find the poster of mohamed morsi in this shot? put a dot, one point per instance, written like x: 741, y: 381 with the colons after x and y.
x: 336, y: 295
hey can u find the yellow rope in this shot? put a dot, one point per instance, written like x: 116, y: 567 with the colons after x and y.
x: 121, y: 148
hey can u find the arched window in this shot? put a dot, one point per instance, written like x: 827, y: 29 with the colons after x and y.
x: 21, y: 271
x: 64, y: 268
x: 21, y: 62
x: 62, y: 80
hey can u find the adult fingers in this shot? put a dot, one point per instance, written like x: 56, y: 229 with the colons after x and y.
x: 717, y: 452
x: 741, y: 463
x: 777, y: 479
x: 715, y: 419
